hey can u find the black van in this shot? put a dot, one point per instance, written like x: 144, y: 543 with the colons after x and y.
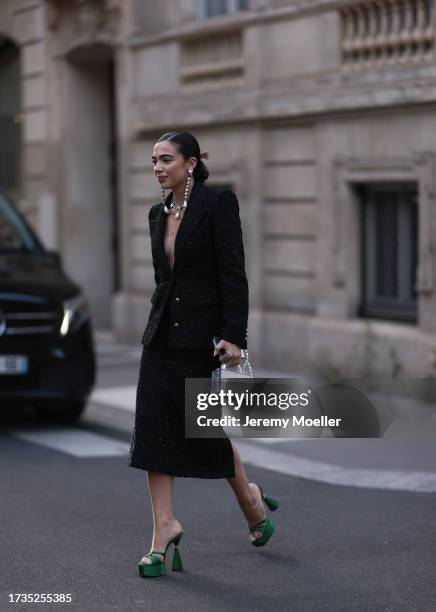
x: 47, y: 355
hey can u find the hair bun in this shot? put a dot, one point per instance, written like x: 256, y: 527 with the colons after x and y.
x: 205, y: 155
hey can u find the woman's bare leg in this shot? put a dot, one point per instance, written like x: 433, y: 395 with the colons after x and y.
x: 165, y: 525
x: 247, y: 494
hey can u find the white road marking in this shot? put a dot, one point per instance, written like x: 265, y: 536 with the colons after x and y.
x: 76, y: 442
x: 117, y: 397
x: 259, y: 452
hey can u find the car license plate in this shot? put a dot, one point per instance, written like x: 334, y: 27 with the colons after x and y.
x: 13, y: 364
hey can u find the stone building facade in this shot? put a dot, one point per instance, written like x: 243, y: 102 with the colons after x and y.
x: 320, y: 115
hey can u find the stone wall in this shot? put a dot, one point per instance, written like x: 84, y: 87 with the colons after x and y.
x: 293, y: 112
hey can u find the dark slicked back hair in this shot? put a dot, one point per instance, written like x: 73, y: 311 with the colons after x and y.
x: 188, y: 146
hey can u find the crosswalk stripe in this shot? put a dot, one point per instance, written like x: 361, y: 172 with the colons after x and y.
x: 76, y: 442
x: 118, y: 397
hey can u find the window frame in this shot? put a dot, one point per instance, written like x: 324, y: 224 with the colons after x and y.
x: 373, y: 304
x: 232, y: 6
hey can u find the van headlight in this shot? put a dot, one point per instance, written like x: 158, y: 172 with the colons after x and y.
x: 76, y: 312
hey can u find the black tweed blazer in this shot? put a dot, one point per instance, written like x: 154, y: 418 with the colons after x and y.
x: 207, y: 290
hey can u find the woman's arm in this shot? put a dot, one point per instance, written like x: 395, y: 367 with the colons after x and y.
x: 229, y: 249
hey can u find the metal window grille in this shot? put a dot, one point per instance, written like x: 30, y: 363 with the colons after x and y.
x: 389, y: 248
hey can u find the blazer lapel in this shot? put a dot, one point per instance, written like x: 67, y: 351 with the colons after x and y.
x: 157, y: 240
x: 197, y: 206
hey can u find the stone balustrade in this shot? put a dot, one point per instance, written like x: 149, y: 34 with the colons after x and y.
x: 387, y: 31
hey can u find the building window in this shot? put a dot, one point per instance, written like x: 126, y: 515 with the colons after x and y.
x: 389, y: 247
x: 214, y: 8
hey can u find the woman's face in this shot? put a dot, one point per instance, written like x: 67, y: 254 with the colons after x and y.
x: 170, y: 167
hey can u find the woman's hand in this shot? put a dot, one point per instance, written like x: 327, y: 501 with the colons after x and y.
x: 232, y: 355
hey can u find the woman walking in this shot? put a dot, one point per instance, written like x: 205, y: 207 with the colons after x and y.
x: 201, y: 292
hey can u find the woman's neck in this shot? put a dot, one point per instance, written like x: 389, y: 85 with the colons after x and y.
x: 179, y: 193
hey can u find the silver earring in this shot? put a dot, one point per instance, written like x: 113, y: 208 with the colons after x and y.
x: 185, y: 200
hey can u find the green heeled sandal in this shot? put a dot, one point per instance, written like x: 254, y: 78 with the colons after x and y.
x: 157, y: 565
x: 266, y: 526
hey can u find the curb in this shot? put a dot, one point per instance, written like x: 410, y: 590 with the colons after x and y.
x: 327, y: 473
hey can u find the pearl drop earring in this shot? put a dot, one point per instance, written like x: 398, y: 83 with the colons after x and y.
x: 178, y: 207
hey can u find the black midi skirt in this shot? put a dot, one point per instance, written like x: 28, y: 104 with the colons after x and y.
x: 158, y: 441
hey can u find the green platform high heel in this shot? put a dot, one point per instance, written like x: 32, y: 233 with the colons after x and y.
x: 157, y: 565
x: 266, y: 526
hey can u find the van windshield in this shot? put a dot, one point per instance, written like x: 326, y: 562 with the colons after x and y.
x: 14, y: 235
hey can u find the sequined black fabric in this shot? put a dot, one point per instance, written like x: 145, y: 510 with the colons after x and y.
x: 205, y: 294
x: 158, y: 441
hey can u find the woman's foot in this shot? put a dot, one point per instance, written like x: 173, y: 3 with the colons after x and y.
x: 257, y: 512
x: 162, y: 534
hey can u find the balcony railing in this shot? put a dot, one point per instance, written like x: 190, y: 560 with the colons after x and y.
x: 387, y: 31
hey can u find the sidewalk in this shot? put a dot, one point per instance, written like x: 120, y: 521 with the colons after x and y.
x: 404, y: 459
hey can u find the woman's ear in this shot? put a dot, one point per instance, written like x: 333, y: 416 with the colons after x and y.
x: 192, y: 163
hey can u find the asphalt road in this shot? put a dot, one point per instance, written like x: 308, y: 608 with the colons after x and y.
x: 75, y: 519
x: 78, y: 524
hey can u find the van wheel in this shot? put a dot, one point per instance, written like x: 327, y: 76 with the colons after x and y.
x: 61, y: 412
